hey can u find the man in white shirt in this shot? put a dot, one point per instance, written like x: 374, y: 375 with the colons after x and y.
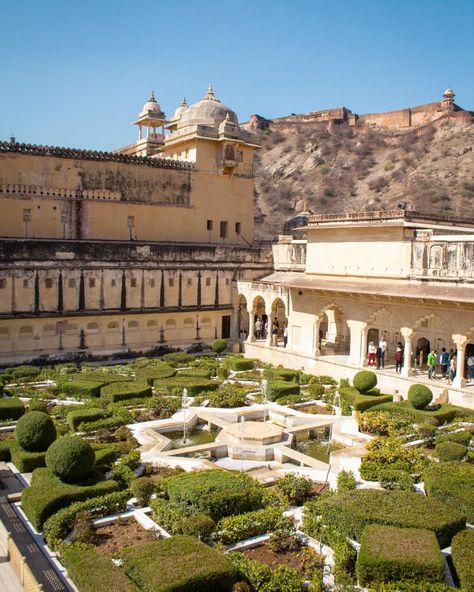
x: 258, y: 328
x: 383, y: 349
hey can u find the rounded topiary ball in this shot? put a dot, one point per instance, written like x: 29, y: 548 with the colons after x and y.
x: 420, y: 396
x: 35, y: 431
x: 364, y: 381
x: 70, y: 458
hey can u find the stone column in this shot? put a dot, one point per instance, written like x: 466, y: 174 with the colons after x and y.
x: 460, y: 341
x: 316, y: 348
x: 358, y: 345
x: 407, y: 334
x: 251, y: 335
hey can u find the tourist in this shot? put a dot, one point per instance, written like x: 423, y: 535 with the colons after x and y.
x: 383, y: 350
x: 431, y: 362
x: 470, y: 366
x: 285, y: 335
x: 372, y: 351
x: 264, y: 328
x: 444, y: 362
x: 399, y: 358
x: 452, y: 368
x: 258, y: 328
x: 275, y: 334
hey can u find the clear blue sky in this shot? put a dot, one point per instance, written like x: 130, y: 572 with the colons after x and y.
x: 76, y: 72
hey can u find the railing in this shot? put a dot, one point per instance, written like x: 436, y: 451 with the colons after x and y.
x: 18, y: 562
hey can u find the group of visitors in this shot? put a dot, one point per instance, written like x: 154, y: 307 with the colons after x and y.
x: 376, y: 353
x: 261, y: 331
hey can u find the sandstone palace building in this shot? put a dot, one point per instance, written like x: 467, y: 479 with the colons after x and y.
x: 153, y: 245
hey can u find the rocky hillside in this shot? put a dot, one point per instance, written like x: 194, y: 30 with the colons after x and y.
x: 350, y: 169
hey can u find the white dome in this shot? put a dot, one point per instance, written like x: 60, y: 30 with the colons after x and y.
x: 151, y: 106
x: 180, y: 110
x: 208, y: 110
x: 449, y: 92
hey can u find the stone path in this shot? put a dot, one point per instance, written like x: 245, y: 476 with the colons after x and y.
x: 37, y: 561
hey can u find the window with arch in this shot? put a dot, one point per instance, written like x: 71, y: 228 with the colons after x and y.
x: 170, y: 324
x: 113, y: 327
x: 187, y: 323
x: 132, y: 325
x: 4, y: 332
x: 26, y: 331
x: 49, y: 330
x: 92, y: 328
x: 72, y: 329
x: 206, y: 322
x: 152, y: 325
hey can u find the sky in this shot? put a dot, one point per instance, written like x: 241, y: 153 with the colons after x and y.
x: 77, y: 72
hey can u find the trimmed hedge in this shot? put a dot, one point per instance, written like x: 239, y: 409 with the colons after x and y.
x: 70, y: 458
x: 453, y: 484
x: 190, y: 565
x: 195, y: 386
x: 153, y: 373
x: 285, y: 374
x: 123, y: 391
x: 5, y: 449
x: 280, y: 388
x: 195, y: 372
x: 78, y: 416
x: 93, y: 572
x: 25, y: 372
x: 364, y: 381
x: 106, y: 454
x: 350, y: 512
x: 214, y: 493
x: 395, y: 479
x: 61, y: 523
x: 420, y: 396
x: 447, y: 451
x: 11, y: 408
x: 47, y: 494
x: 462, y: 553
x: 438, y: 415
x: 461, y: 437
x: 316, y: 390
x: 82, y: 389
x: 232, y: 529
x: 105, y: 377
x: 388, y: 554
x: 219, y: 345
x: 109, y: 423
x: 239, y: 364
x: 35, y: 431
x: 362, y: 402
x: 24, y: 460
x: 177, y: 359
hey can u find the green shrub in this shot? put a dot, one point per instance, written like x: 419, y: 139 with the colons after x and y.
x: 195, y: 372
x: 124, y: 391
x: 294, y: 399
x: 48, y: 494
x: 190, y: 565
x: 280, y: 388
x: 164, y: 407
x: 11, y: 408
x: 36, y: 405
x: 453, y: 484
x: 81, y: 389
x: 461, y: 437
x: 447, y: 451
x: 232, y: 529
x: 350, y: 512
x: 199, y: 526
x: 223, y: 373
x: 153, y: 373
x: 105, y: 454
x: 25, y: 373
x: 78, y: 416
x: 26, y: 461
x: 297, y: 489
x: 104, y: 376
x: 388, y: 553
x: 228, y: 396
x: 364, y: 381
x: 462, y: 553
x: 238, y: 364
x: 5, y: 455
x: 390, y: 453
x: 168, y: 515
x: 316, y: 390
x: 346, y: 481
x: 109, y: 423
x: 437, y: 415
x: 409, y: 586
x: 393, y: 479
x: 285, y: 374
x: 362, y: 402
x: 214, y: 493
x: 195, y: 385
x: 93, y: 572
x: 57, y: 526
x: 70, y: 458
x: 324, y: 380
x: 143, y: 488
x: 420, y: 396
x: 177, y: 359
x: 35, y: 431
x: 219, y: 345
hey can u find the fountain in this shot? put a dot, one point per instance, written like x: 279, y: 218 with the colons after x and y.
x: 265, y: 400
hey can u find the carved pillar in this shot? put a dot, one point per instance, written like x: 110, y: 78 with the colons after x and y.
x: 216, y: 296
x: 82, y: 295
x: 251, y: 335
x: 316, y: 348
x: 460, y: 341
x: 198, y: 297
x: 101, y: 291
x: 36, y: 305
x: 13, y: 294
x: 407, y: 334
x: 358, y: 343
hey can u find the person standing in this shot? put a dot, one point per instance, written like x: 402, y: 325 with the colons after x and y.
x: 383, y: 349
x: 399, y: 358
x: 444, y: 361
x: 470, y: 366
x: 372, y: 351
x: 275, y: 335
x: 452, y: 369
x: 431, y: 363
x: 285, y: 335
x: 258, y: 328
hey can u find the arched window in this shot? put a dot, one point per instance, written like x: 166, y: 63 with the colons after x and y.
x: 132, y: 325
x: 152, y: 325
x: 206, y: 322
x: 188, y: 323
x: 113, y: 327
x: 49, y: 330
x: 92, y: 328
x: 72, y: 329
x: 170, y: 324
x: 26, y: 331
x: 4, y: 332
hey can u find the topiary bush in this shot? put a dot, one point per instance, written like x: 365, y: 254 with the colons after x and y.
x: 420, y: 396
x: 177, y: 359
x: 11, y: 409
x: 286, y: 374
x: 199, y: 526
x: 232, y: 529
x: 296, y: 488
x: 346, y: 481
x: 280, y: 388
x: 70, y: 458
x: 453, y: 484
x: 24, y: 373
x: 395, y: 479
x: 81, y: 389
x: 35, y: 431
x: 194, y: 385
x: 448, y: 451
x: 364, y: 381
x: 26, y: 461
x: 153, y: 373
x: 461, y: 437
x: 462, y: 553
x: 195, y: 372
x: 35, y: 405
x: 228, y: 396
x: 78, y: 416
x: 219, y: 345
x: 316, y: 390
x: 238, y: 364
x: 124, y: 391
x: 388, y: 553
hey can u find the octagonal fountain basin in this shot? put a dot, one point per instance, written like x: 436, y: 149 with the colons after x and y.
x: 194, y: 437
x: 251, y: 433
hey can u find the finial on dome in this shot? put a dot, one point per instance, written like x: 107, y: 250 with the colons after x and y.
x: 210, y: 91
x: 183, y: 103
x: 152, y: 97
